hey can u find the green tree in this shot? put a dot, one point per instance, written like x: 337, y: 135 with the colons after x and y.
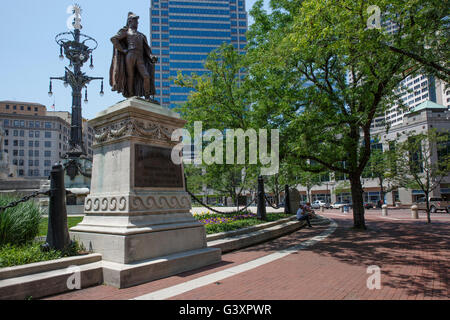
x: 194, y: 178
x: 423, y: 161
x: 309, y: 180
x: 321, y: 75
x: 219, y: 99
x: 381, y: 166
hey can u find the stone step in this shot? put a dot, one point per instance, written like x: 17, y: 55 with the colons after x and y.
x: 52, y: 282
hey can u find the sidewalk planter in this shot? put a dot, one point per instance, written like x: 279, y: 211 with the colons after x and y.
x: 47, y: 278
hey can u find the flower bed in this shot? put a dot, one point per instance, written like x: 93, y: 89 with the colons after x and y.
x: 215, y: 223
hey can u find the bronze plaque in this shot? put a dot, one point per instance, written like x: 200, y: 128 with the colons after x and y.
x: 154, y: 168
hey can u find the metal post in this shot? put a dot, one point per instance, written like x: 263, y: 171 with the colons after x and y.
x: 384, y: 210
x: 414, y: 212
x: 58, y: 234
x: 287, y: 202
x: 261, y: 213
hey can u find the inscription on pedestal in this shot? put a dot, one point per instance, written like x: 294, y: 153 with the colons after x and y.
x: 154, y: 168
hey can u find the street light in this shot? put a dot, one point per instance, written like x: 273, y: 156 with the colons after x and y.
x: 78, y: 49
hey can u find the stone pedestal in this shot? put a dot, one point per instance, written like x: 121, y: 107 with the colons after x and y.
x: 138, y: 212
x: 384, y: 210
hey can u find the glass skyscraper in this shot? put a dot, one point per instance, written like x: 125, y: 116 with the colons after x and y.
x: 183, y: 33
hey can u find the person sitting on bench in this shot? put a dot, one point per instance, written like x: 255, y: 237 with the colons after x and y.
x: 303, y: 214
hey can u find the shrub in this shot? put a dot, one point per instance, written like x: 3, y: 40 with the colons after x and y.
x: 20, y: 224
x: 14, y: 255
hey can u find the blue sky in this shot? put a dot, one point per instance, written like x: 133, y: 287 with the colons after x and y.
x: 29, y: 54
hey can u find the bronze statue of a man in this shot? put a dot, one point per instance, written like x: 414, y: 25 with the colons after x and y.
x: 133, y: 65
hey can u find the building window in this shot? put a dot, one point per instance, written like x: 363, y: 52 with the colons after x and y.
x: 36, y: 144
x: 48, y: 134
x: 47, y: 154
x: 36, y: 134
x: 48, y: 125
x: 48, y: 144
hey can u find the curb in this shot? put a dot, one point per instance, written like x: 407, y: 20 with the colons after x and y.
x: 242, y: 238
x: 48, y: 278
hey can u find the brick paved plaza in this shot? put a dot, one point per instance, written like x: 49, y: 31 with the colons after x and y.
x: 414, y: 259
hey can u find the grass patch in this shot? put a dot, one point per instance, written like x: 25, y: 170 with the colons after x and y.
x: 216, y: 223
x: 71, y: 222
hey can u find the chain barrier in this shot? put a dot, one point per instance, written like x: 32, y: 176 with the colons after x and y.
x: 270, y: 204
x: 216, y: 211
x: 25, y: 199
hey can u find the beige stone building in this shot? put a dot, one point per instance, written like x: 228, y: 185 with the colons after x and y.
x: 35, y: 138
x: 422, y: 118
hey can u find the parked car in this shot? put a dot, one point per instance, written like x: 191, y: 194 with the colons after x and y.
x: 320, y: 203
x: 436, y: 204
x: 369, y: 205
x: 338, y: 205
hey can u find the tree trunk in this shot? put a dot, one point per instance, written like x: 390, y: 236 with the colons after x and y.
x: 308, y: 191
x: 381, y: 191
x: 358, y: 206
x: 428, y: 207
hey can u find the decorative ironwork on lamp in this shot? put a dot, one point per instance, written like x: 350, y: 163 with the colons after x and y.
x: 78, y: 49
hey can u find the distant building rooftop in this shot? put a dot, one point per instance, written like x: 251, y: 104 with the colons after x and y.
x: 427, y: 105
x: 21, y: 102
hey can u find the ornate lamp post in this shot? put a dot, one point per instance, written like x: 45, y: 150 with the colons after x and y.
x: 78, y: 48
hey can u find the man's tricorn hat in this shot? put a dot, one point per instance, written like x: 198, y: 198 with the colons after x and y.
x: 131, y: 15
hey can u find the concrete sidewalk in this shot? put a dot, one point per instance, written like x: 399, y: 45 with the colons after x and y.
x: 413, y: 258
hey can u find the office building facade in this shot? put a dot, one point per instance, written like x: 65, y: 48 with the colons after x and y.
x: 420, y: 119
x: 183, y: 33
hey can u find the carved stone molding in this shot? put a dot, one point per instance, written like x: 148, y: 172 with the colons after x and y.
x: 122, y: 204
x: 160, y: 202
x: 132, y: 127
x: 106, y: 204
